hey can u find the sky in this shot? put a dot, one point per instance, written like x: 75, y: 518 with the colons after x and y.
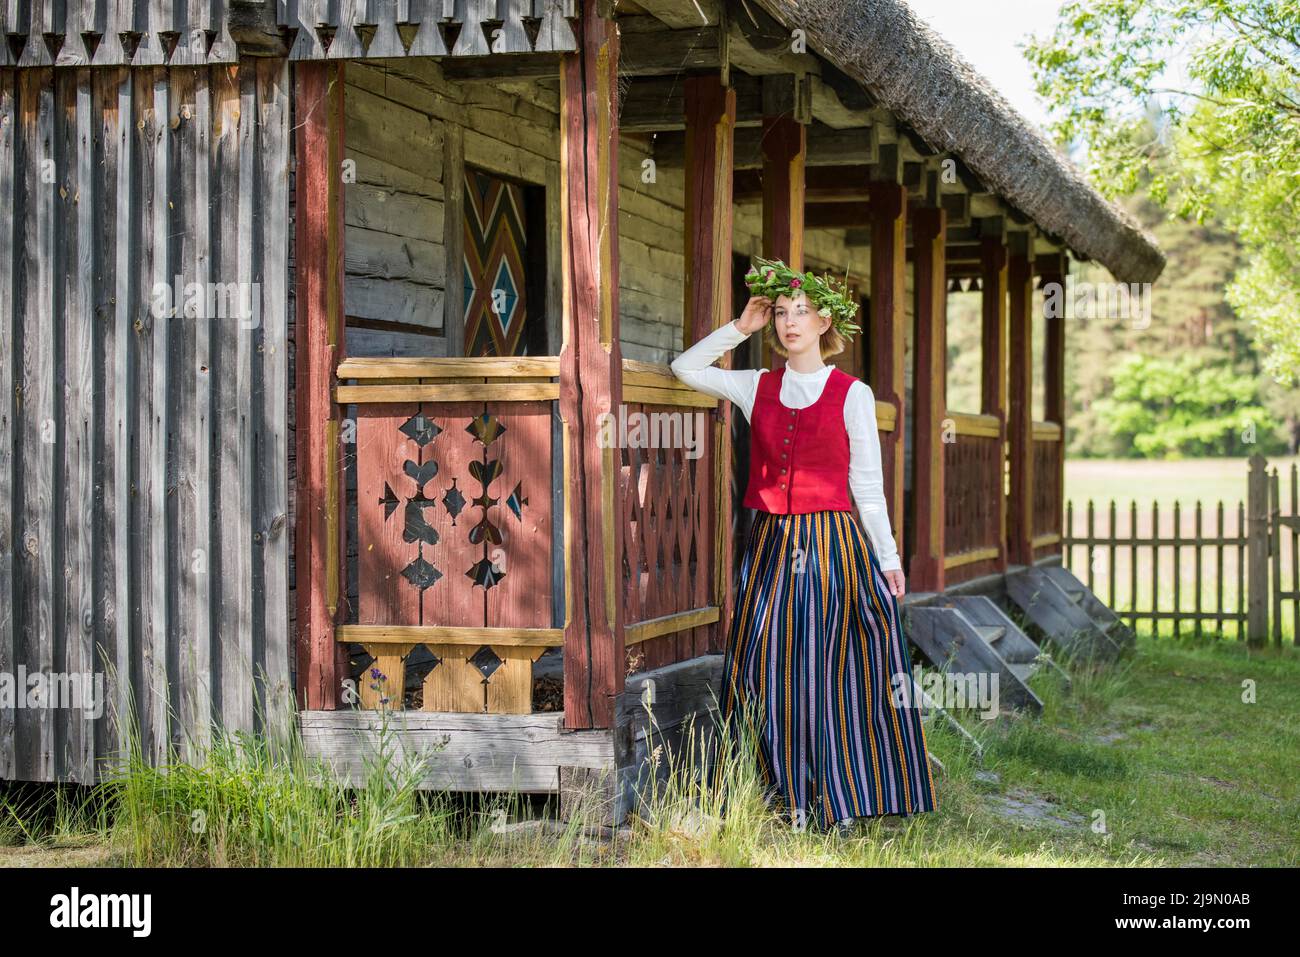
x: 985, y: 33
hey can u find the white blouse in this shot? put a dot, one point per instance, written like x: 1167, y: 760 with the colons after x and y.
x: 798, y: 391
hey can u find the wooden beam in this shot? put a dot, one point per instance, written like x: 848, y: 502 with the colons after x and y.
x: 449, y: 392
x: 710, y: 129
x: 658, y: 104
x: 459, y: 751
x: 450, y: 367
x: 825, y: 146
x: 957, y: 206
x: 784, y: 152
x: 930, y: 373
x: 486, y: 69
x: 790, y: 95
x: 993, y: 336
x: 590, y: 372
x: 1054, y: 270
x: 647, y: 51
x: 822, y: 184
x: 840, y: 102
x: 680, y: 14
x: 451, y: 635
x: 672, y: 624
x: 887, y: 329
x: 993, y: 286
x: 836, y: 215
x: 1020, y: 420
x: 319, y: 347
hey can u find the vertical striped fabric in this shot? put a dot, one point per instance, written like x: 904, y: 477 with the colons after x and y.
x: 814, y: 654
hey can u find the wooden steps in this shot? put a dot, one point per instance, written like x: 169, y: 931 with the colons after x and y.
x: 1094, y: 607
x: 969, y: 634
x: 1062, y: 617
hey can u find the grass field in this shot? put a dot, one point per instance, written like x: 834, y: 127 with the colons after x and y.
x: 1144, y: 483
x: 1156, y: 761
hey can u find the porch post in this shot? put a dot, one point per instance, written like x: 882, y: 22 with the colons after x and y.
x: 1054, y: 269
x: 886, y: 324
x: 993, y: 401
x: 318, y: 349
x: 1020, y: 424
x: 590, y: 373
x: 784, y: 152
x: 784, y: 146
x: 929, y: 373
x: 710, y: 133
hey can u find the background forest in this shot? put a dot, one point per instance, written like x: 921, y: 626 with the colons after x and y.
x: 1192, y: 383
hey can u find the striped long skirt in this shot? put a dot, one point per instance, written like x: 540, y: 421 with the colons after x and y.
x: 812, y: 662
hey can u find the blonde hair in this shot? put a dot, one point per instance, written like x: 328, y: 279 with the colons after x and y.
x: 832, y: 342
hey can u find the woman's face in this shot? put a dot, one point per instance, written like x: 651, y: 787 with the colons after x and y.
x: 798, y: 325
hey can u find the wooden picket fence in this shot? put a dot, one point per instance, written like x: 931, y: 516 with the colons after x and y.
x: 1233, y: 573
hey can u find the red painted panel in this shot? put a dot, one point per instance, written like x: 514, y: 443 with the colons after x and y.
x: 444, y: 491
x: 524, y: 596
x: 454, y: 600
x: 385, y: 597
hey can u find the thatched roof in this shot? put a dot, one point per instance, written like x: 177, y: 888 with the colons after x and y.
x: 919, y: 77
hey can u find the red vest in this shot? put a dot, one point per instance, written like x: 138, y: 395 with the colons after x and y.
x: 799, y: 458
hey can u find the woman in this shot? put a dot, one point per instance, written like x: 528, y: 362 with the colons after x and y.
x: 815, y: 651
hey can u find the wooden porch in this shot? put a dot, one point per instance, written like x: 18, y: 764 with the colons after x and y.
x: 494, y: 530
x: 474, y: 234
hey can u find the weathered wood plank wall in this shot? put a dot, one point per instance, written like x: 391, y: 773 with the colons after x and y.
x: 401, y: 114
x: 143, y: 403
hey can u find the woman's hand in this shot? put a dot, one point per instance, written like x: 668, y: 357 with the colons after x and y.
x: 758, y: 313
x: 895, y: 578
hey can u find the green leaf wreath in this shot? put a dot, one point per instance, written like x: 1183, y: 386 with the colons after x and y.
x: 828, y: 295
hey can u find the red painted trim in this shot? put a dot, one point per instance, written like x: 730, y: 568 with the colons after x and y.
x: 591, y: 370
x: 993, y: 284
x: 318, y: 251
x: 886, y: 329
x: 785, y: 152
x: 1020, y: 435
x: 711, y: 117
x: 930, y: 287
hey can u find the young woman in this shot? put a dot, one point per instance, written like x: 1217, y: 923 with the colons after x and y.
x: 815, y: 651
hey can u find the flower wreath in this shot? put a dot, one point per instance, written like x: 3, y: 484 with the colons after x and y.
x: 828, y: 295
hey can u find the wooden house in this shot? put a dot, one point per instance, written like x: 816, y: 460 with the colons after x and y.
x: 312, y: 314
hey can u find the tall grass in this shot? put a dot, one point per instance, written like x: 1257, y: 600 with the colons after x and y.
x: 1161, y: 748
x: 261, y: 801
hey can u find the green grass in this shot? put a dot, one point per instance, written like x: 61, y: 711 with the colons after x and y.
x: 1154, y: 761
x: 1147, y: 480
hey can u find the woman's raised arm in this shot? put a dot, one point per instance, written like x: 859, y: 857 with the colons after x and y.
x: 695, y: 368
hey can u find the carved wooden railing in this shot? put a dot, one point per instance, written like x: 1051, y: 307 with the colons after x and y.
x: 1049, y: 495
x: 667, y: 502
x: 454, y: 526
x: 195, y: 32
x: 974, y: 487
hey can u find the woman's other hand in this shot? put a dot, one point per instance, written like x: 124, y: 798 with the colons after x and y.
x: 895, y: 578
x: 758, y: 313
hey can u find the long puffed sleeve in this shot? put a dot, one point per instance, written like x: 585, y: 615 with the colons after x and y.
x: 866, y: 475
x: 695, y: 368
